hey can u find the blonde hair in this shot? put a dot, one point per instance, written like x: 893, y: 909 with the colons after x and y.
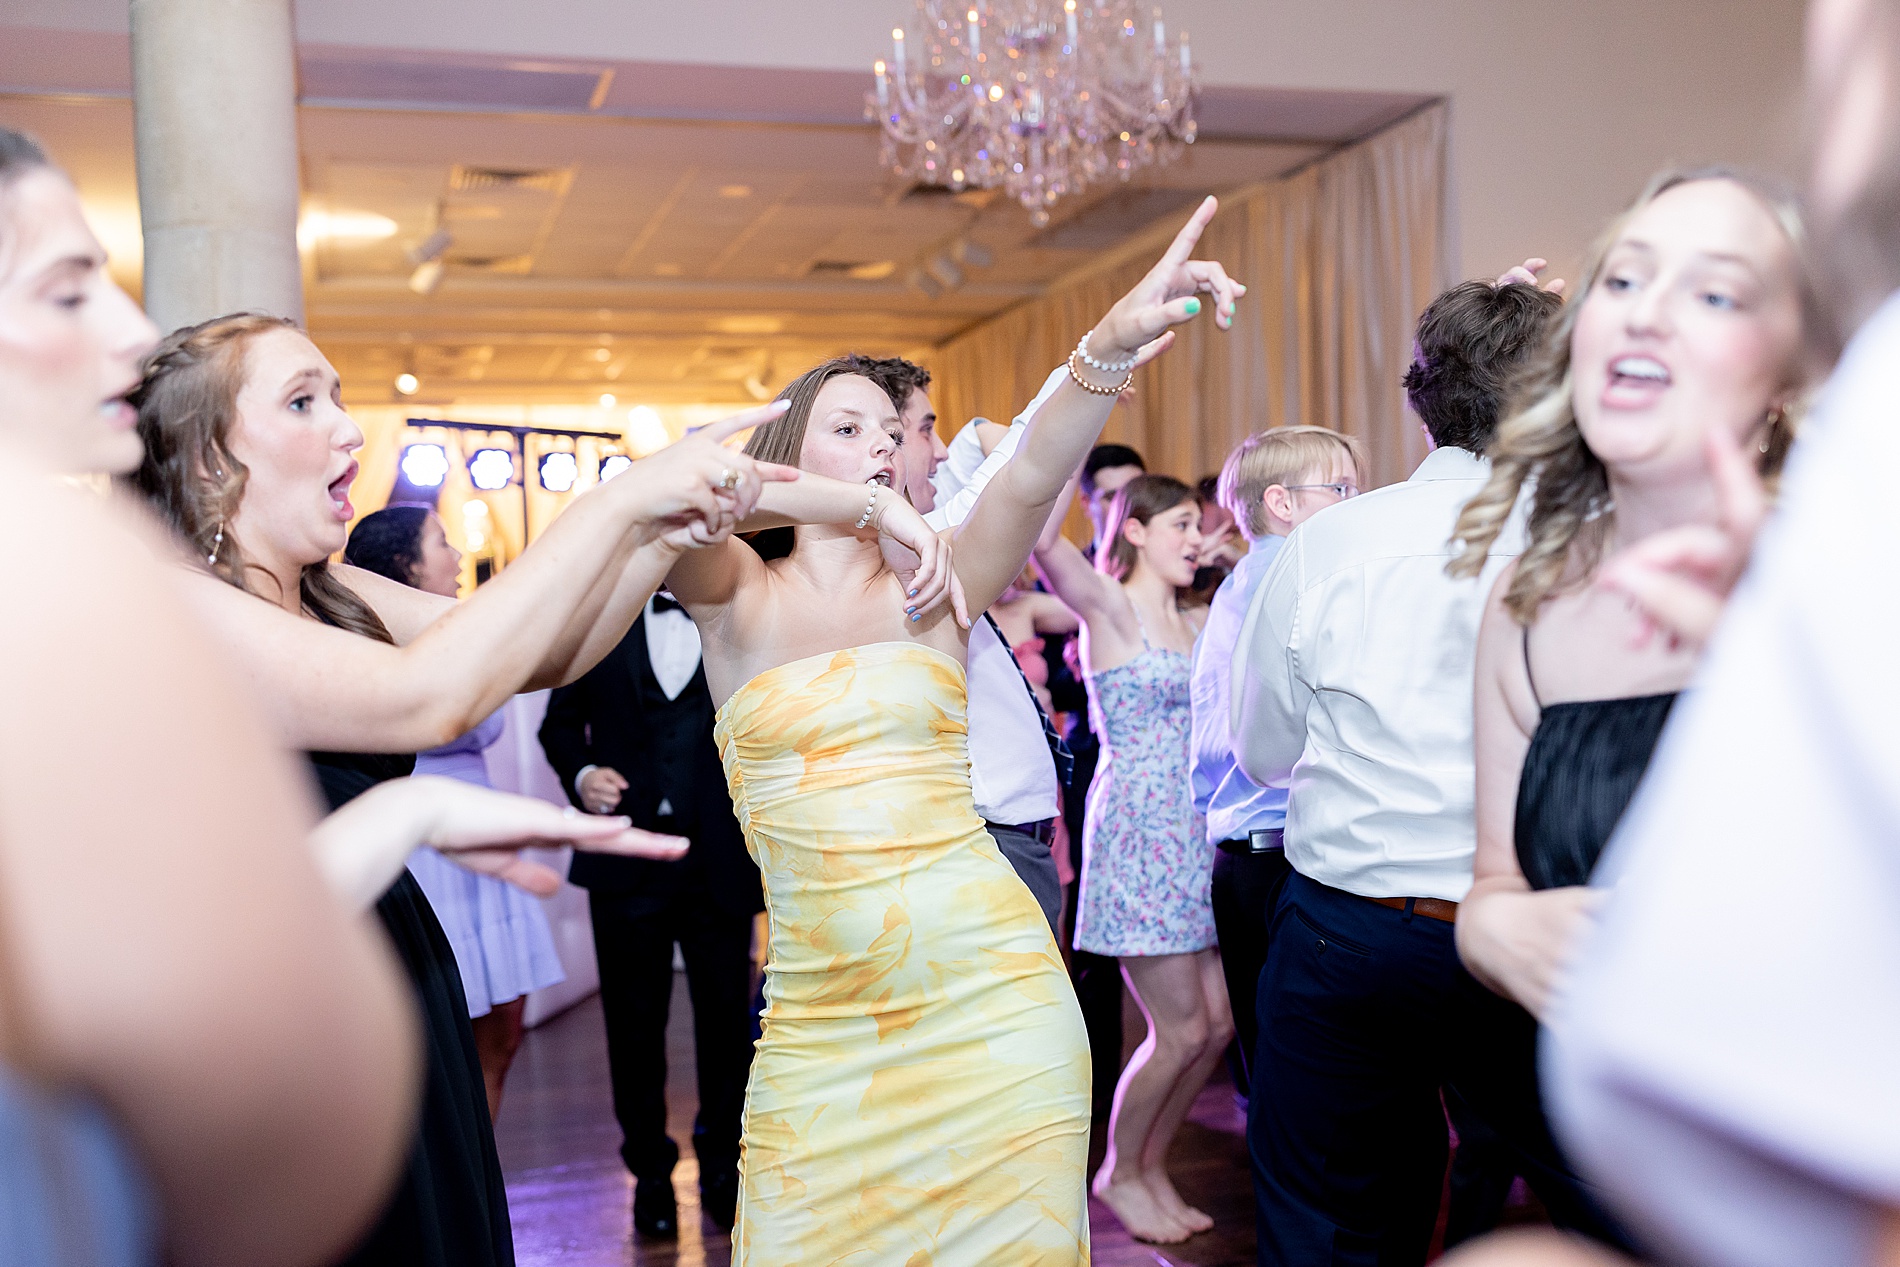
x: 1278, y: 456
x: 1540, y: 444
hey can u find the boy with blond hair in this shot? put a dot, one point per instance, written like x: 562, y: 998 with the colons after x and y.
x: 1273, y: 482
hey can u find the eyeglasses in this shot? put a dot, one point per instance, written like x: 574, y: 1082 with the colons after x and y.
x: 1341, y: 490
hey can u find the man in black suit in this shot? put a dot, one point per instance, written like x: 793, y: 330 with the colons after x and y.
x: 635, y: 737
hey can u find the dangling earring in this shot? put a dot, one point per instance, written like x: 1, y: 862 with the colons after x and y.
x: 1774, y: 420
x: 217, y: 542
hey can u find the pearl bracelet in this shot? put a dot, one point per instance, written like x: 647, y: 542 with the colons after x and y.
x: 1087, y: 386
x: 869, y: 509
x: 1118, y: 367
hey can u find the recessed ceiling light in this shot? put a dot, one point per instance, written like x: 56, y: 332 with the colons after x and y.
x: 607, y: 400
x: 602, y: 354
x: 408, y: 384
x: 330, y: 226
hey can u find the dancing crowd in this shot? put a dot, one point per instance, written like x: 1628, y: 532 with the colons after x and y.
x: 1468, y: 808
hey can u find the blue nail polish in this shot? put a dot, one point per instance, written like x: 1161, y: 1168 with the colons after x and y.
x: 916, y: 615
x: 912, y: 594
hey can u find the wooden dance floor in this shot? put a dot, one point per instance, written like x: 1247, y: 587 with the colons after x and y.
x: 572, y: 1199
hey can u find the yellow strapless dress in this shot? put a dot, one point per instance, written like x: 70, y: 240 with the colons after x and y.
x: 920, y: 1095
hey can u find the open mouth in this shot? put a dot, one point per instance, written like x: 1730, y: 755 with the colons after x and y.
x: 118, y: 411
x: 1636, y: 380
x: 882, y: 477
x: 339, y: 491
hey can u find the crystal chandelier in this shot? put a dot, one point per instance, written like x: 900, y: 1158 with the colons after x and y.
x: 1038, y: 97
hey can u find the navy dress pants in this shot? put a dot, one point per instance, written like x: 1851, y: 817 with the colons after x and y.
x: 1365, y: 1014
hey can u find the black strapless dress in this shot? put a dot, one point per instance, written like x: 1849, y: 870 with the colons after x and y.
x: 1580, y: 772
x: 450, y: 1208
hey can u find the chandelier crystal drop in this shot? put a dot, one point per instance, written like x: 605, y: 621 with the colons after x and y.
x: 1037, y: 97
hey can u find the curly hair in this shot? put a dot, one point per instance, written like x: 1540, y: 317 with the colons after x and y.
x: 187, y: 406
x: 1471, y: 339
x: 1540, y: 444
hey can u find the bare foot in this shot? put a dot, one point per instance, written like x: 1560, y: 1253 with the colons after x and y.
x: 1165, y: 1195
x: 1138, y: 1210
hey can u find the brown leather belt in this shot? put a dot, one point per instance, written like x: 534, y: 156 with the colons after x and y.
x: 1430, y: 907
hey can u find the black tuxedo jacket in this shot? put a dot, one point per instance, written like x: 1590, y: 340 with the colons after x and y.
x: 616, y: 715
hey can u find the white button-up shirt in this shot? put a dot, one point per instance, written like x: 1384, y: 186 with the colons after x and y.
x: 1012, y: 774
x: 1232, y: 803
x: 1353, y: 679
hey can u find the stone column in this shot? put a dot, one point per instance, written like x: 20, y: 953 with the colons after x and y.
x: 214, y: 91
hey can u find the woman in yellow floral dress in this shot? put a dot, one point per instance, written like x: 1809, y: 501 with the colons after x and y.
x: 920, y: 1093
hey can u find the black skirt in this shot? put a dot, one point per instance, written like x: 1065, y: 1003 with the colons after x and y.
x: 449, y: 1208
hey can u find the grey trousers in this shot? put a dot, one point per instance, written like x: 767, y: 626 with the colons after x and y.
x: 1036, y: 865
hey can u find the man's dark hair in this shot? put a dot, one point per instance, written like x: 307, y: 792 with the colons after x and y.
x: 1471, y: 339
x: 1103, y: 456
x: 898, y: 377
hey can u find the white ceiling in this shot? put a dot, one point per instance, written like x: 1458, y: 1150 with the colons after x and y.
x: 668, y: 233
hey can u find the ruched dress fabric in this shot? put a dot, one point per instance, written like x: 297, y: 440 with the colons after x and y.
x: 1581, y: 769
x: 920, y: 1092
x: 1147, y: 869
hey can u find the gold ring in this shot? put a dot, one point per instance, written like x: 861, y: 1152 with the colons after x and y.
x: 728, y: 479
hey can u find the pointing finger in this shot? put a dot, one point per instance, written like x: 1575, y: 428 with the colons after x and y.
x: 726, y: 428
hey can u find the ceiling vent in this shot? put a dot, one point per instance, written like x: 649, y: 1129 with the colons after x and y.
x: 864, y: 271
x: 516, y: 265
x: 554, y: 180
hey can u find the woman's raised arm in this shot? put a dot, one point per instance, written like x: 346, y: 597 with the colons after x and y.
x: 546, y: 618
x: 995, y: 541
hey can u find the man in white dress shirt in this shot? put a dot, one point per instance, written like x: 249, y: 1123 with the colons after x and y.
x: 1352, y: 686
x: 1012, y: 768
x: 1273, y: 482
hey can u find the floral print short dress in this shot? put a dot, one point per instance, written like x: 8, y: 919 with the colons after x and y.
x: 1147, y: 869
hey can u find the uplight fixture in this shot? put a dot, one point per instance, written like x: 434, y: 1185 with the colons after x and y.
x: 559, y: 471
x: 491, y: 470
x: 425, y: 465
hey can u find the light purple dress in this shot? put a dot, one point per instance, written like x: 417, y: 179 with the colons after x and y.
x: 1147, y: 869
x: 500, y: 934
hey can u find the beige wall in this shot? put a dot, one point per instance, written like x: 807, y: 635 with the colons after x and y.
x: 1560, y: 108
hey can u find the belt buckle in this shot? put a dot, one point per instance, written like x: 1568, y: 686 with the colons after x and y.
x: 1264, y: 840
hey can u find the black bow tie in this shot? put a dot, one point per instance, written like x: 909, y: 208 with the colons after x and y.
x: 666, y: 603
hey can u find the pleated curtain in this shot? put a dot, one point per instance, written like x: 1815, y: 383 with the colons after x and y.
x: 1339, y: 259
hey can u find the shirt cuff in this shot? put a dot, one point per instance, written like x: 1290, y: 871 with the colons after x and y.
x: 584, y: 772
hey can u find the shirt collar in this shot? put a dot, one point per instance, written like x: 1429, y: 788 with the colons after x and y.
x: 1450, y: 463
x: 1260, y: 552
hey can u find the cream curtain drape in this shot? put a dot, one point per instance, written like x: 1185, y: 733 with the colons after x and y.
x: 1339, y: 259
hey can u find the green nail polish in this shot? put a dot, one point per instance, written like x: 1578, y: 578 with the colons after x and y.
x: 1193, y: 307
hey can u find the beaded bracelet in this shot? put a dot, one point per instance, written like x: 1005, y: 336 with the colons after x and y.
x: 1117, y: 367
x: 869, y: 509
x: 1087, y: 386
